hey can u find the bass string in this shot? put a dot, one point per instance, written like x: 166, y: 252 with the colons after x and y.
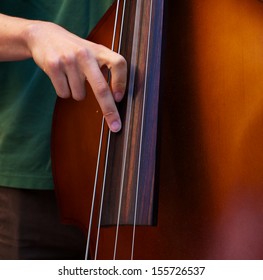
x: 94, y: 190
x: 130, y: 94
x: 130, y: 99
x: 102, y: 132
x: 109, y: 133
x: 141, y: 132
x: 126, y: 137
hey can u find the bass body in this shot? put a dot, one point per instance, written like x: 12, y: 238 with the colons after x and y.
x: 208, y: 185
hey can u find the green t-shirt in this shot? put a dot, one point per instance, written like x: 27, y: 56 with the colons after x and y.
x: 27, y: 97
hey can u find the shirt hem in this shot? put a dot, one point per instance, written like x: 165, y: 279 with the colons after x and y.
x: 36, y: 183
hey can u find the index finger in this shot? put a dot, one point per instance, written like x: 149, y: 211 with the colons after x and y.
x: 104, y: 96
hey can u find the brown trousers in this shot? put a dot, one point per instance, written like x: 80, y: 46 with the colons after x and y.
x: 30, y: 228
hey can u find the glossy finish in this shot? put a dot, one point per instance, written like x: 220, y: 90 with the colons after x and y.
x: 210, y: 155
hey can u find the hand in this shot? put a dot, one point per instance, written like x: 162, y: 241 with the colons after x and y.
x: 69, y: 61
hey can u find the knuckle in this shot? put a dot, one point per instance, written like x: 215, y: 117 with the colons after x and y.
x: 121, y: 62
x: 101, y: 89
x: 68, y: 60
x: 64, y: 94
x: 52, y: 65
x: 110, y: 114
x: 78, y: 96
x: 109, y: 57
x: 107, y: 114
x: 82, y: 53
x: 56, y: 63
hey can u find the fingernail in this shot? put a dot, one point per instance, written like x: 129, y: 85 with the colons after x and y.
x: 115, y: 126
x: 118, y: 96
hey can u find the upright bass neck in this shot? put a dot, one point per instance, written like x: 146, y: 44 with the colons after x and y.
x: 126, y: 174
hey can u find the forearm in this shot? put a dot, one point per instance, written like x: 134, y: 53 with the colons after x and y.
x: 13, y: 38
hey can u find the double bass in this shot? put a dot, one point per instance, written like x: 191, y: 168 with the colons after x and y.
x: 203, y: 156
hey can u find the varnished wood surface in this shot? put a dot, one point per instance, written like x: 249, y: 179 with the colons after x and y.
x: 211, y: 152
x: 210, y: 165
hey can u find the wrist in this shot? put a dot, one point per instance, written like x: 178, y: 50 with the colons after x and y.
x: 29, y: 36
x: 14, y: 33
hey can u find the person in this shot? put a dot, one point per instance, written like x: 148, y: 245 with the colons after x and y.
x: 44, y: 54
